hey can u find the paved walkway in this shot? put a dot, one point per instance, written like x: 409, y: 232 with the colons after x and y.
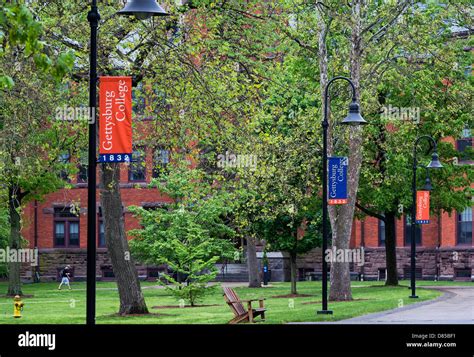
x: 455, y: 306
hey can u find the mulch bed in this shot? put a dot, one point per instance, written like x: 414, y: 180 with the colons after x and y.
x: 139, y: 315
x: 26, y: 296
x: 290, y: 296
x: 319, y: 302
x: 180, y: 307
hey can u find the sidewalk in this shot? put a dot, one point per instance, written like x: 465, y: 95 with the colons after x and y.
x: 455, y: 306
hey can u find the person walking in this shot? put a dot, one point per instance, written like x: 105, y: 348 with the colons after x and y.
x: 65, y: 277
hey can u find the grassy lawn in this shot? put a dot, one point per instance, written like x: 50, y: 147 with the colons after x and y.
x: 50, y: 306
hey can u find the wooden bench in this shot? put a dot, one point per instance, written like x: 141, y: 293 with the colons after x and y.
x: 237, y: 307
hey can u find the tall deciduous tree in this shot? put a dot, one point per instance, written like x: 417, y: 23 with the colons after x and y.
x: 32, y: 143
x: 367, y: 41
x: 423, y: 93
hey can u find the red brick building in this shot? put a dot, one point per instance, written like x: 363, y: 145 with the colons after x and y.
x: 445, y: 247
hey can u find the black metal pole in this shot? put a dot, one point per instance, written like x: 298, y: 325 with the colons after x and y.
x: 413, y: 216
x: 93, y: 17
x: 36, y: 278
x: 325, y: 125
x: 413, y: 228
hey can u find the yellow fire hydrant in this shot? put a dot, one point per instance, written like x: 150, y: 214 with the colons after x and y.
x: 17, y: 306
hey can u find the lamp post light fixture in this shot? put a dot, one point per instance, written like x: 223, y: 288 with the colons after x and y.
x: 142, y: 9
x: 434, y: 164
x: 428, y: 186
x: 353, y: 118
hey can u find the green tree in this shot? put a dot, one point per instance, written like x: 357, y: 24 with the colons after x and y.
x: 19, y: 29
x: 295, y: 233
x: 32, y: 142
x: 427, y: 76
x: 32, y: 147
x: 189, y: 235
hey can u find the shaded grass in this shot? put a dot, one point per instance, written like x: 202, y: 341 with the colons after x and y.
x: 50, y: 306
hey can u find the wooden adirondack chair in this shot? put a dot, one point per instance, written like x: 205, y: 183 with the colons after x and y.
x: 242, y: 314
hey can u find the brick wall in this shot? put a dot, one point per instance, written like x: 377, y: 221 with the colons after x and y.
x: 130, y: 196
x: 448, y: 230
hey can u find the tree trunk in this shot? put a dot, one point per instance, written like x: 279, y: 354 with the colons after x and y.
x: 342, y: 217
x: 293, y: 276
x: 340, y: 277
x: 131, y: 296
x: 252, y: 263
x: 390, y: 249
x: 14, y: 281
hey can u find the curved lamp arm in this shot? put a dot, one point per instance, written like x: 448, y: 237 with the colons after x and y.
x: 429, y: 138
x: 326, y: 95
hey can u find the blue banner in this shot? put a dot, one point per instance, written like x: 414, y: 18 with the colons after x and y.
x: 115, y: 157
x: 337, y: 180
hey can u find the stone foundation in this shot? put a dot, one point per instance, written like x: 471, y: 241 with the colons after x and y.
x: 51, y: 261
x: 447, y: 263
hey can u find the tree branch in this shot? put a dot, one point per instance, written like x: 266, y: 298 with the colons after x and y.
x: 369, y: 212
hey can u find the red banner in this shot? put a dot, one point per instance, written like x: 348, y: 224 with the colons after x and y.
x: 115, y: 119
x: 422, y: 207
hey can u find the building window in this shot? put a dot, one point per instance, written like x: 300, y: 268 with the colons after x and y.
x: 463, y: 274
x: 152, y: 273
x: 464, y: 144
x: 381, y: 233
x: 408, y: 232
x: 64, y: 158
x: 107, y: 272
x: 147, y: 101
x: 382, y: 274
x: 161, y: 159
x: 101, y: 243
x: 137, y: 169
x: 138, y: 101
x: 74, y: 234
x: 59, y: 234
x: 101, y: 235
x: 66, y: 228
x: 83, y: 167
x: 464, y: 231
x: 468, y: 70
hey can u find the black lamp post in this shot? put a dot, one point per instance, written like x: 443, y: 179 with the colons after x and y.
x: 434, y: 164
x: 142, y: 9
x: 353, y: 118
